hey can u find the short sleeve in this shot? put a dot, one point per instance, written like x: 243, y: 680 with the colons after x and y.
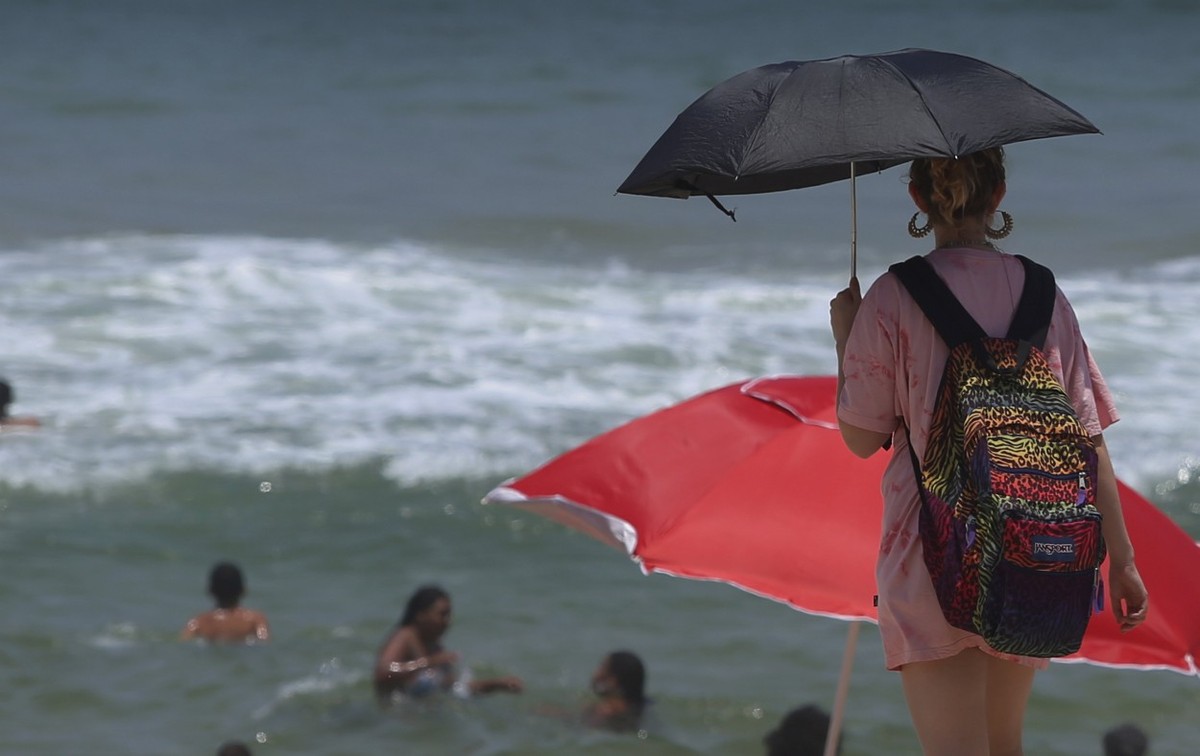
x: 869, y: 397
x: 1069, y: 355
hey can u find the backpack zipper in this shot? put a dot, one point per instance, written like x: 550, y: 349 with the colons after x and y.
x: 1080, y: 498
x: 1082, y: 476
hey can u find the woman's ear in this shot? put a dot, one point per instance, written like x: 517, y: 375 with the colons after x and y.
x: 998, y: 196
x: 916, y: 198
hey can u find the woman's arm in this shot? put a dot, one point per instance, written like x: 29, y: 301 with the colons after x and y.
x: 1127, y: 594
x: 507, y: 684
x: 842, y: 311
x: 397, y: 660
x: 402, y: 657
x: 191, y: 629
x: 262, y: 630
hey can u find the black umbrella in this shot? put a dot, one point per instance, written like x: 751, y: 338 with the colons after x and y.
x: 804, y: 123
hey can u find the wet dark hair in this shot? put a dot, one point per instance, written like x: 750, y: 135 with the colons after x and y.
x: 957, y: 188
x: 629, y: 672
x: 423, y: 598
x: 1126, y: 740
x: 802, y: 732
x: 226, y: 584
x: 6, y: 398
x: 233, y: 748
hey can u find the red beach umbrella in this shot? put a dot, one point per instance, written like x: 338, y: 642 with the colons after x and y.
x: 751, y: 485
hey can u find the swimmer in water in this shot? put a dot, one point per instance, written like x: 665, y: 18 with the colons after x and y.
x: 620, y: 684
x: 229, y: 622
x: 802, y: 732
x: 413, y: 662
x: 7, y: 421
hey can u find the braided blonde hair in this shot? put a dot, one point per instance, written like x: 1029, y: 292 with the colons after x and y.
x: 957, y: 188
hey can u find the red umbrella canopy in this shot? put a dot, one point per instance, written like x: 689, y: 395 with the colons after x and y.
x: 732, y: 487
x: 751, y: 485
x: 1169, y: 562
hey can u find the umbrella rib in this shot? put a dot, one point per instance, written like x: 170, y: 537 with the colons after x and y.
x: 924, y: 104
x: 752, y: 142
x: 750, y: 389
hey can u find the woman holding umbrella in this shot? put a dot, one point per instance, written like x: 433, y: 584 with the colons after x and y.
x: 964, y: 697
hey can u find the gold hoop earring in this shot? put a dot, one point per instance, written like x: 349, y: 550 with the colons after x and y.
x: 1004, y: 230
x: 917, y: 232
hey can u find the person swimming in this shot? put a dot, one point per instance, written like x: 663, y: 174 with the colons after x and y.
x: 7, y: 397
x: 801, y: 732
x: 229, y: 622
x: 620, y: 683
x: 413, y: 662
x: 1126, y: 740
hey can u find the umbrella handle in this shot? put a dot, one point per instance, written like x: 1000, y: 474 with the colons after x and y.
x: 843, y: 688
x: 853, y: 223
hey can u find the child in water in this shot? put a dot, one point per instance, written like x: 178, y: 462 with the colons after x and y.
x: 620, y: 685
x: 229, y: 622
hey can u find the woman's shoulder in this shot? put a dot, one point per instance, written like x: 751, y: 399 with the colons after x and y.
x: 399, y: 640
x: 884, y: 292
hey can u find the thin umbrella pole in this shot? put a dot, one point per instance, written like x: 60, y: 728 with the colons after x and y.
x: 853, y: 223
x: 843, y: 688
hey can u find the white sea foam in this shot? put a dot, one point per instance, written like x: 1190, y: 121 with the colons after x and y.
x: 117, y: 637
x: 146, y: 353
x: 332, y: 676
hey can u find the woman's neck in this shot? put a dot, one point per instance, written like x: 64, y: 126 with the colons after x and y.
x: 969, y: 234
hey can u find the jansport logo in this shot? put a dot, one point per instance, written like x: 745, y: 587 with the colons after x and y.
x: 1053, y: 549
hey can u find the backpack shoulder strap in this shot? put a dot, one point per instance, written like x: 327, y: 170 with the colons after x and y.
x: 951, y: 320
x: 1031, y: 321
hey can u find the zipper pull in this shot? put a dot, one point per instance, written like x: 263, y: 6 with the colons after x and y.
x: 1081, y: 499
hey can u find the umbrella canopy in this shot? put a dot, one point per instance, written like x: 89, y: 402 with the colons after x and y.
x: 751, y: 485
x: 803, y: 123
x: 698, y: 491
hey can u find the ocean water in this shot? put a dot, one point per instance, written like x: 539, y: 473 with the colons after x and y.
x: 297, y: 283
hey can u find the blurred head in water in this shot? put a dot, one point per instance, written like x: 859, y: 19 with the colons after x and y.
x: 6, y: 398
x: 621, y: 672
x: 802, y: 732
x: 428, y: 611
x: 226, y: 585
x: 1126, y: 740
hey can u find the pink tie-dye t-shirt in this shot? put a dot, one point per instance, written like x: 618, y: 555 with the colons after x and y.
x: 893, y: 364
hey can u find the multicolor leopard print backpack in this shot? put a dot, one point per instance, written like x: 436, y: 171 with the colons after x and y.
x: 1009, y: 524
